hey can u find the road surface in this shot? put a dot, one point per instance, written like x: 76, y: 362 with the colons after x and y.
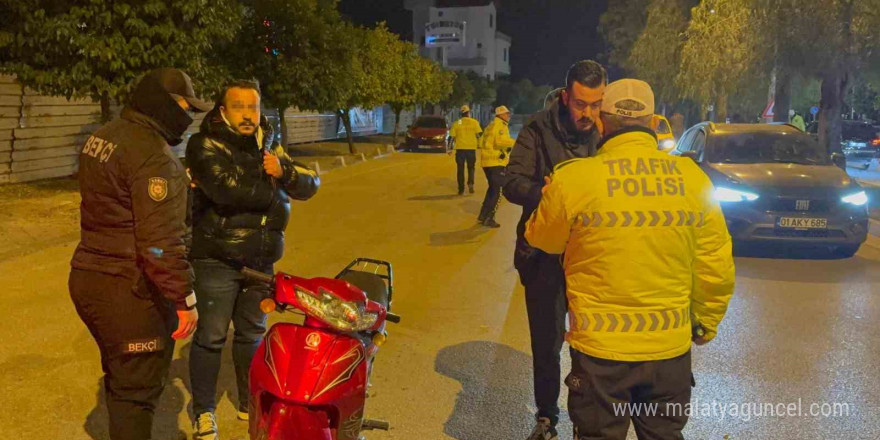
x: 458, y: 366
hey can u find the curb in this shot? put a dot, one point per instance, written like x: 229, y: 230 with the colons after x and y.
x: 389, y: 150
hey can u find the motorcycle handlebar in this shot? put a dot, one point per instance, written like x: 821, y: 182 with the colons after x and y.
x: 391, y: 317
x: 257, y: 275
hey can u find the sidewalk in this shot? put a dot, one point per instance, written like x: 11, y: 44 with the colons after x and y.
x: 39, y: 214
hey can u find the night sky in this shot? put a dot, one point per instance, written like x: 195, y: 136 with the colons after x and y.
x: 548, y: 35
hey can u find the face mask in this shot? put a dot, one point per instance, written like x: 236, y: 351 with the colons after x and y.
x: 152, y: 100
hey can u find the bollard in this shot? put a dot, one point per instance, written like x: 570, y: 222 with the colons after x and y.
x: 363, y: 158
x: 341, y: 160
x: 389, y: 148
x: 317, y: 167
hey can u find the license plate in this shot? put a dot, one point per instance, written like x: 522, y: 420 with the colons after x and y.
x: 427, y: 147
x: 802, y: 223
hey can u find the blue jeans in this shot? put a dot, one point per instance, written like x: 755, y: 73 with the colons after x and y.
x: 224, y: 295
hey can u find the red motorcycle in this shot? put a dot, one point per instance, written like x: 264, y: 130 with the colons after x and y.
x: 309, y: 381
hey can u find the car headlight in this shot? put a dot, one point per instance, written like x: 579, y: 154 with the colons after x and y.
x: 342, y: 315
x: 723, y: 194
x: 857, y: 199
x: 441, y: 137
x: 666, y: 144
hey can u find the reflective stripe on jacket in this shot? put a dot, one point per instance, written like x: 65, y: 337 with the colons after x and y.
x: 496, y: 144
x: 465, y: 132
x: 646, y: 249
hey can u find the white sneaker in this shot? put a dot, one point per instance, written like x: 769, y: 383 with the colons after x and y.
x: 206, y: 427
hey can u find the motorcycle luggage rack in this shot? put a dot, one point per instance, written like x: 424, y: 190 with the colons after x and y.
x: 388, y: 275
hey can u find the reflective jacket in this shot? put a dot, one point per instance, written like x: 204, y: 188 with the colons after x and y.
x: 646, y: 247
x: 240, y: 212
x: 465, y: 132
x: 496, y: 144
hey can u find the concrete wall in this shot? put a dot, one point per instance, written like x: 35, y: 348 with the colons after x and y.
x: 41, y: 136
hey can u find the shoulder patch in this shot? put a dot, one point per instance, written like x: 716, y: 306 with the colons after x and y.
x: 157, y: 188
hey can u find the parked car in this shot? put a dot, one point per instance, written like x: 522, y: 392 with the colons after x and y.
x: 665, y: 138
x: 859, y: 141
x: 777, y: 185
x: 428, y: 133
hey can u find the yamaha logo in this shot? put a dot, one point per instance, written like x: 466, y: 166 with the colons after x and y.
x: 802, y: 205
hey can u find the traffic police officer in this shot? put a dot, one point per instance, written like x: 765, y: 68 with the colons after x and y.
x: 647, y: 261
x: 494, y: 155
x: 130, y: 272
x: 464, y: 133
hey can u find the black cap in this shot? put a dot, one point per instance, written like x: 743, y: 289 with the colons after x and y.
x: 178, y: 85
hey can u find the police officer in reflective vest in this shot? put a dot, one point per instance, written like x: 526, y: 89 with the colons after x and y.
x: 648, y: 267
x: 464, y: 134
x: 130, y: 273
x: 495, y: 154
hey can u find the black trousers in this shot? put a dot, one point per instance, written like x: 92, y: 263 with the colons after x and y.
x: 657, y: 391
x: 463, y: 157
x: 546, y: 306
x: 494, y: 175
x: 132, y: 326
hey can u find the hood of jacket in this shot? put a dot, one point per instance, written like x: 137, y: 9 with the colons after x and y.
x: 151, y: 100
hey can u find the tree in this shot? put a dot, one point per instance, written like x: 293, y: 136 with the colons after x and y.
x: 97, y: 48
x: 722, y: 55
x: 291, y: 48
x: 620, y: 26
x: 656, y: 52
x: 421, y: 80
x: 462, y: 92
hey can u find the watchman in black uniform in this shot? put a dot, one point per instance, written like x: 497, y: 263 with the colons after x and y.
x: 130, y: 272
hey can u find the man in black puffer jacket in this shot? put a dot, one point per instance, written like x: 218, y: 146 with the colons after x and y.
x: 241, y: 205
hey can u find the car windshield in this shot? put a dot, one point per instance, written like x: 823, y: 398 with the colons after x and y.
x: 766, y: 148
x: 859, y: 132
x: 431, y: 123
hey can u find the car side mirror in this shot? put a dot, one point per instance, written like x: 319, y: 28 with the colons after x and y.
x: 692, y: 155
x: 839, y: 160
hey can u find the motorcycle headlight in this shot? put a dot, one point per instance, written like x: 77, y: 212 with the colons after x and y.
x: 667, y: 144
x: 343, y: 315
x: 857, y: 199
x: 723, y: 194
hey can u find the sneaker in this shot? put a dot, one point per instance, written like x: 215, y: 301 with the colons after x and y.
x: 461, y: 191
x: 490, y: 222
x: 544, y: 430
x: 471, y: 189
x: 206, y: 427
x: 243, y: 416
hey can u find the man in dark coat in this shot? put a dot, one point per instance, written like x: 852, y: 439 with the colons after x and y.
x: 130, y: 272
x: 568, y: 129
